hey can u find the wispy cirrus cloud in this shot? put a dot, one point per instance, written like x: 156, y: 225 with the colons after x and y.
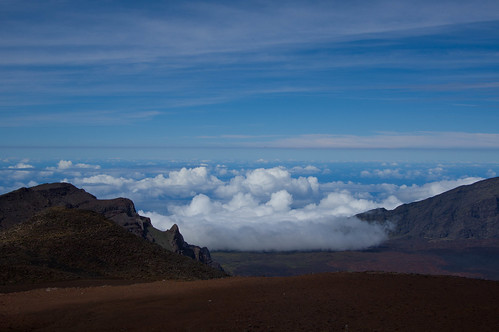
x: 418, y: 140
x: 238, y: 67
x: 146, y: 35
x: 71, y: 117
x: 128, y: 41
x: 382, y: 140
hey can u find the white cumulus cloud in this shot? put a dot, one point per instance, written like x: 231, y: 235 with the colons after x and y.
x: 262, y: 182
x: 263, y: 208
x: 310, y: 169
x: 415, y: 193
x: 245, y: 224
x: 22, y: 166
x: 66, y: 165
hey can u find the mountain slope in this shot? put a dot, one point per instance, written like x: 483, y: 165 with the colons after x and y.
x: 466, y: 212
x: 22, y: 204
x: 64, y: 244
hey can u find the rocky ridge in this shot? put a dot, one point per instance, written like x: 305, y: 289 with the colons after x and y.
x: 20, y: 205
x: 466, y: 212
x: 61, y: 244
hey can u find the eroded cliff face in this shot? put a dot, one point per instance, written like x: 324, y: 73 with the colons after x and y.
x: 173, y: 240
x: 466, y: 212
x: 22, y: 204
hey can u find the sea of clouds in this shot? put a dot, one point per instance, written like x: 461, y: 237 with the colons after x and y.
x: 259, y: 208
x: 269, y: 209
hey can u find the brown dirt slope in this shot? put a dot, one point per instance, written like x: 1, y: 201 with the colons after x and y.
x: 321, y: 302
x: 64, y: 244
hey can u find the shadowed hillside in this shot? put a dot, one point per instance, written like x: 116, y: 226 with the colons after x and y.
x: 22, y: 204
x: 466, y: 212
x: 65, y: 244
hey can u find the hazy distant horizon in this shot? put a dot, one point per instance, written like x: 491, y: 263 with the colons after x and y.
x: 235, y: 154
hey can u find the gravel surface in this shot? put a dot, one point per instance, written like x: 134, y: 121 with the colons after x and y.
x: 319, y: 302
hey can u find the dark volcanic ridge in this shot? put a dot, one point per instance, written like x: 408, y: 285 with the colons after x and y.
x: 469, y: 212
x: 66, y: 244
x: 20, y: 205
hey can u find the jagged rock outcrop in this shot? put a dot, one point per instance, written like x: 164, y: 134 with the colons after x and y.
x: 466, y: 212
x: 22, y: 204
x: 174, y: 241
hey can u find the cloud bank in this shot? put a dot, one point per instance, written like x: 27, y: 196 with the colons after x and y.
x: 268, y: 208
x: 246, y: 222
x: 274, y: 208
x: 266, y: 227
x: 260, y: 209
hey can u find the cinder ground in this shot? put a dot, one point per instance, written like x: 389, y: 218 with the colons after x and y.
x: 465, y: 258
x: 319, y: 302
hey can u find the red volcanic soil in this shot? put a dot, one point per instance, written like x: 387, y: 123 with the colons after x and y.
x: 320, y: 302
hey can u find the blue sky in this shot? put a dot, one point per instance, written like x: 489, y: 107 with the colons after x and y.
x: 241, y: 76
x: 251, y: 124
